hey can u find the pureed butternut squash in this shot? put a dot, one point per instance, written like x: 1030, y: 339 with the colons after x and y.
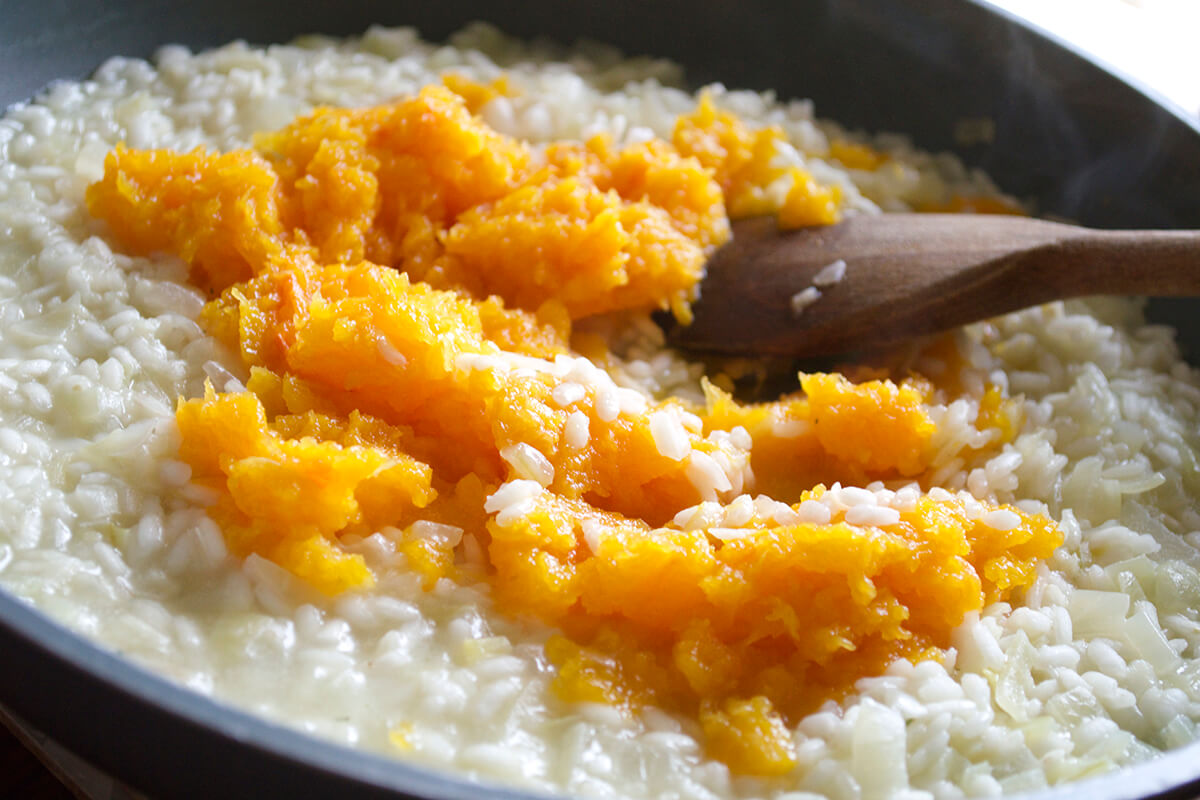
x: 401, y: 282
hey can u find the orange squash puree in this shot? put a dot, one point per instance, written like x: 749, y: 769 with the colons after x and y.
x: 722, y: 613
x: 401, y: 283
x: 743, y: 162
x: 476, y: 95
x: 854, y: 155
x: 292, y: 484
x: 423, y: 186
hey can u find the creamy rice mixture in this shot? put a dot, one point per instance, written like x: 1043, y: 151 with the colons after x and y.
x: 99, y: 527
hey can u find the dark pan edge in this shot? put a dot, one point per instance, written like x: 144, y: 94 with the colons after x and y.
x: 153, y: 730
x: 147, y: 730
x: 1188, y: 118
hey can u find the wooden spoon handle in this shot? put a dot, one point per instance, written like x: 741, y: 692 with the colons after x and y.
x: 913, y: 274
x: 1057, y: 262
x: 1161, y: 263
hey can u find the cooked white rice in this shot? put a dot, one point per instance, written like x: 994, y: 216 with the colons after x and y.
x: 830, y: 274
x: 99, y: 527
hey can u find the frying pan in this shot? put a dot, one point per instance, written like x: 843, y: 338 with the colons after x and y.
x: 1070, y: 137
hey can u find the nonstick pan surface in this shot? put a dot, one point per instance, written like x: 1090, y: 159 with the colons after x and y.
x: 1069, y: 136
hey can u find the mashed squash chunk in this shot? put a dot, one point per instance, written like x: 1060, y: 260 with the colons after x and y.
x: 401, y: 283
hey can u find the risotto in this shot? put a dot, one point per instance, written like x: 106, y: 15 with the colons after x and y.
x: 331, y: 391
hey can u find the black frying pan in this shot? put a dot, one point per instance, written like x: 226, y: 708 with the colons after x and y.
x: 1070, y: 137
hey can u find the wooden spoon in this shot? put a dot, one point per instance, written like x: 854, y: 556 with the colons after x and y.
x: 911, y: 274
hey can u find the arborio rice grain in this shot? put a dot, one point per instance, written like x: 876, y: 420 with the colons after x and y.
x: 101, y: 529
